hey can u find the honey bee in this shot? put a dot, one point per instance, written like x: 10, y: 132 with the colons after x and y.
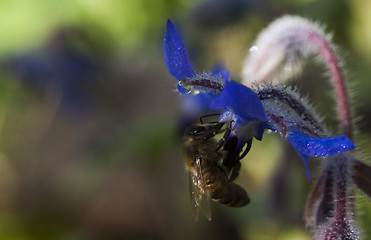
x: 207, y: 177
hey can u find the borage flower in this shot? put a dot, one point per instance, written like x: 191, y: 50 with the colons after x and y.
x: 242, y: 110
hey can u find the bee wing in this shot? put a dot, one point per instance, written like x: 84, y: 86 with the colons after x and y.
x: 205, y: 207
x: 204, y: 202
x: 194, y: 194
x: 197, y: 190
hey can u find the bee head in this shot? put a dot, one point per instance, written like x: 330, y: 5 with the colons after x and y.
x: 197, y: 130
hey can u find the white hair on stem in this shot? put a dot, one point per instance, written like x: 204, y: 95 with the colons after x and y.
x: 281, y: 49
x: 277, y: 56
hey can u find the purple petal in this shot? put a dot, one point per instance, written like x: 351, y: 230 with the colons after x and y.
x: 175, y: 54
x: 319, y: 147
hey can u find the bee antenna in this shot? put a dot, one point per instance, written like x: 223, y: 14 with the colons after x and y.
x: 209, y: 115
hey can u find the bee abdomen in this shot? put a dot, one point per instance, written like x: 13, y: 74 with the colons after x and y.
x: 231, y: 195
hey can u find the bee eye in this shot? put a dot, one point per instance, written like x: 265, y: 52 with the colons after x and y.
x: 198, y: 130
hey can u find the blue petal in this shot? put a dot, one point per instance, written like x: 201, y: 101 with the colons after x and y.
x: 196, y: 104
x: 305, y: 159
x: 195, y: 108
x: 240, y: 100
x: 218, y: 67
x: 319, y: 147
x: 260, y: 127
x: 226, y: 75
x: 175, y: 54
x: 219, y: 70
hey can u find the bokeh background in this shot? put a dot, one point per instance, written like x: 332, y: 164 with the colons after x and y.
x: 90, y: 130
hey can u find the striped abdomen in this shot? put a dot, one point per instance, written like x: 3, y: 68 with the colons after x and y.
x: 221, y: 190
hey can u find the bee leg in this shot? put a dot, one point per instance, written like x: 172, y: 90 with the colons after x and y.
x: 226, y: 135
x: 216, y: 129
x: 231, y: 155
x: 222, y: 141
x: 248, y: 147
x: 235, y: 171
x: 232, y: 162
x: 236, y: 164
x: 208, y: 115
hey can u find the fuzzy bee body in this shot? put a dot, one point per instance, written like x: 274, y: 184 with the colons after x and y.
x: 206, y: 175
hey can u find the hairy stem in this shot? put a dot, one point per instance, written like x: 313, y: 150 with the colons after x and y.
x: 338, y: 80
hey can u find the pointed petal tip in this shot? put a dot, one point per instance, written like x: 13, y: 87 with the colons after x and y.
x: 305, y: 159
x: 319, y: 147
x: 309, y: 175
x: 169, y: 23
x: 175, y: 54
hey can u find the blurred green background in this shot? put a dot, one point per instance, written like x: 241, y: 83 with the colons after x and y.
x: 90, y: 135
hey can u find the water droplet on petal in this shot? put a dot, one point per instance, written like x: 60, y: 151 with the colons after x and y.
x: 253, y: 49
